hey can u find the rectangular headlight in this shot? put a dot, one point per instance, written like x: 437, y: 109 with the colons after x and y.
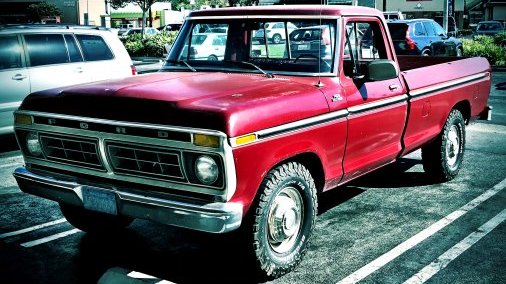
x: 206, y: 140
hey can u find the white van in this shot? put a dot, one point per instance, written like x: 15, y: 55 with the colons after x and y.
x: 393, y: 15
x: 39, y: 57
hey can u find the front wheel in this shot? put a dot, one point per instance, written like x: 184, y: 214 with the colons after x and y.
x: 442, y: 159
x: 91, y: 221
x: 283, y: 219
x: 276, y: 38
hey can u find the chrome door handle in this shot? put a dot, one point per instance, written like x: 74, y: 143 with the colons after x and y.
x: 18, y: 77
x: 393, y: 87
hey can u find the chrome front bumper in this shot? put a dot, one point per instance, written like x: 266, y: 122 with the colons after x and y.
x: 211, y: 217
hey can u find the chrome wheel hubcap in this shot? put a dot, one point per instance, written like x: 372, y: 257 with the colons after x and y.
x: 285, y: 220
x: 452, y: 146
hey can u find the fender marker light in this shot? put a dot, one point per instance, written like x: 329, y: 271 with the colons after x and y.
x: 245, y: 139
x: 23, y: 119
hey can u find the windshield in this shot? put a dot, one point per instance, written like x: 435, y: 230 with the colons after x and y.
x: 288, y: 46
x: 489, y: 27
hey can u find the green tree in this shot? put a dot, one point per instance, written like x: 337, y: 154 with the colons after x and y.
x: 43, y: 9
x: 143, y: 4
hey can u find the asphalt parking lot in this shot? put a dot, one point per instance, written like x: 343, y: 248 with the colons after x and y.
x: 390, y: 226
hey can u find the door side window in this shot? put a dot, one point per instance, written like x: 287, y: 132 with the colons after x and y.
x: 10, y: 52
x: 94, y: 48
x: 439, y: 30
x: 364, y: 43
x: 419, y: 30
x: 429, y: 29
x: 74, y: 53
x: 45, y: 49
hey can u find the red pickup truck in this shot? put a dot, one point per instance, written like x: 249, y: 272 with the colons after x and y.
x: 245, y: 130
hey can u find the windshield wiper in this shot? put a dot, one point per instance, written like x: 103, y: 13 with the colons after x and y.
x: 268, y: 75
x: 183, y: 62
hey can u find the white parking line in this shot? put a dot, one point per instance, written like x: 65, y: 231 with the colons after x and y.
x: 143, y: 276
x: 443, y: 260
x: 50, y: 238
x: 421, y: 236
x: 29, y: 229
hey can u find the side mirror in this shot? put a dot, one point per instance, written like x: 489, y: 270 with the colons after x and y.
x: 379, y: 70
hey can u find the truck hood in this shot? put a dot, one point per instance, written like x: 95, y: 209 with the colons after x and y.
x: 233, y: 103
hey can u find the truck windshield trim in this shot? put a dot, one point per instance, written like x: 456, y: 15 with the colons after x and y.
x: 287, y: 45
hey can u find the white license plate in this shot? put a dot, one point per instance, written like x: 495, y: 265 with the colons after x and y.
x: 304, y: 47
x: 97, y: 199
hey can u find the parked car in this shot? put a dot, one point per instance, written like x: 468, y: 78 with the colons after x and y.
x: 489, y: 28
x: 393, y: 15
x: 208, y: 46
x: 38, y: 57
x: 170, y: 28
x: 423, y: 37
x: 123, y: 28
x: 147, y: 31
x: 274, y: 32
x: 311, y: 42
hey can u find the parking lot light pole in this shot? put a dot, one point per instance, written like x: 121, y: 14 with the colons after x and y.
x: 445, y: 15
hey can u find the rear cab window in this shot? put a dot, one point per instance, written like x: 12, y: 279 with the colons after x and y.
x: 94, y: 48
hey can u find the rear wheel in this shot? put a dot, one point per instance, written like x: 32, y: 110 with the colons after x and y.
x: 282, y: 219
x: 91, y: 221
x: 426, y: 52
x: 212, y: 58
x: 442, y: 159
x: 459, y: 52
x: 276, y: 38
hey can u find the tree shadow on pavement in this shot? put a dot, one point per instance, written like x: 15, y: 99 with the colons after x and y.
x: 395, y: 175
x: 8, y: 143
x: 500, y: 86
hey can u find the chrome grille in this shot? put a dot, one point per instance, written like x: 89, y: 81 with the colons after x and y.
x: 71, y: 150
x: 142, y: 161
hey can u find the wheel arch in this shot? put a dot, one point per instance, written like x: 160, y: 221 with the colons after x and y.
x: 465, y: 108
x: 314, y: 165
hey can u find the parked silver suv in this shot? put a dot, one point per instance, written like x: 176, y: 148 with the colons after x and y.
x: 39, y: 57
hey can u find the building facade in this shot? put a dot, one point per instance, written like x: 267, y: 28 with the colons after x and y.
x: 77, y: 12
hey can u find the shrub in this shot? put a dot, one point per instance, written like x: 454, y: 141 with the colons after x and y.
x: 488, y: 47
x: 153, y: 46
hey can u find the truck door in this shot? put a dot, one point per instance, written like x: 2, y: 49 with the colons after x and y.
x: 377, y: 109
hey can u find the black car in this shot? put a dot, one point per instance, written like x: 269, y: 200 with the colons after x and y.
x: 423, y: 37
x: 311, y: 42
x: 489, y: 28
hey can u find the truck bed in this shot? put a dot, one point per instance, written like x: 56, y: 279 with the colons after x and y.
x: 408, y: 62
x: 435, y: 86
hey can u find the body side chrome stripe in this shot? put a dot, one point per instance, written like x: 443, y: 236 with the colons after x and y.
x: 429, y: 90
x: 312, y: 121
x: 377, y: 104
x: 308, y: 122
x: 9, y: 106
